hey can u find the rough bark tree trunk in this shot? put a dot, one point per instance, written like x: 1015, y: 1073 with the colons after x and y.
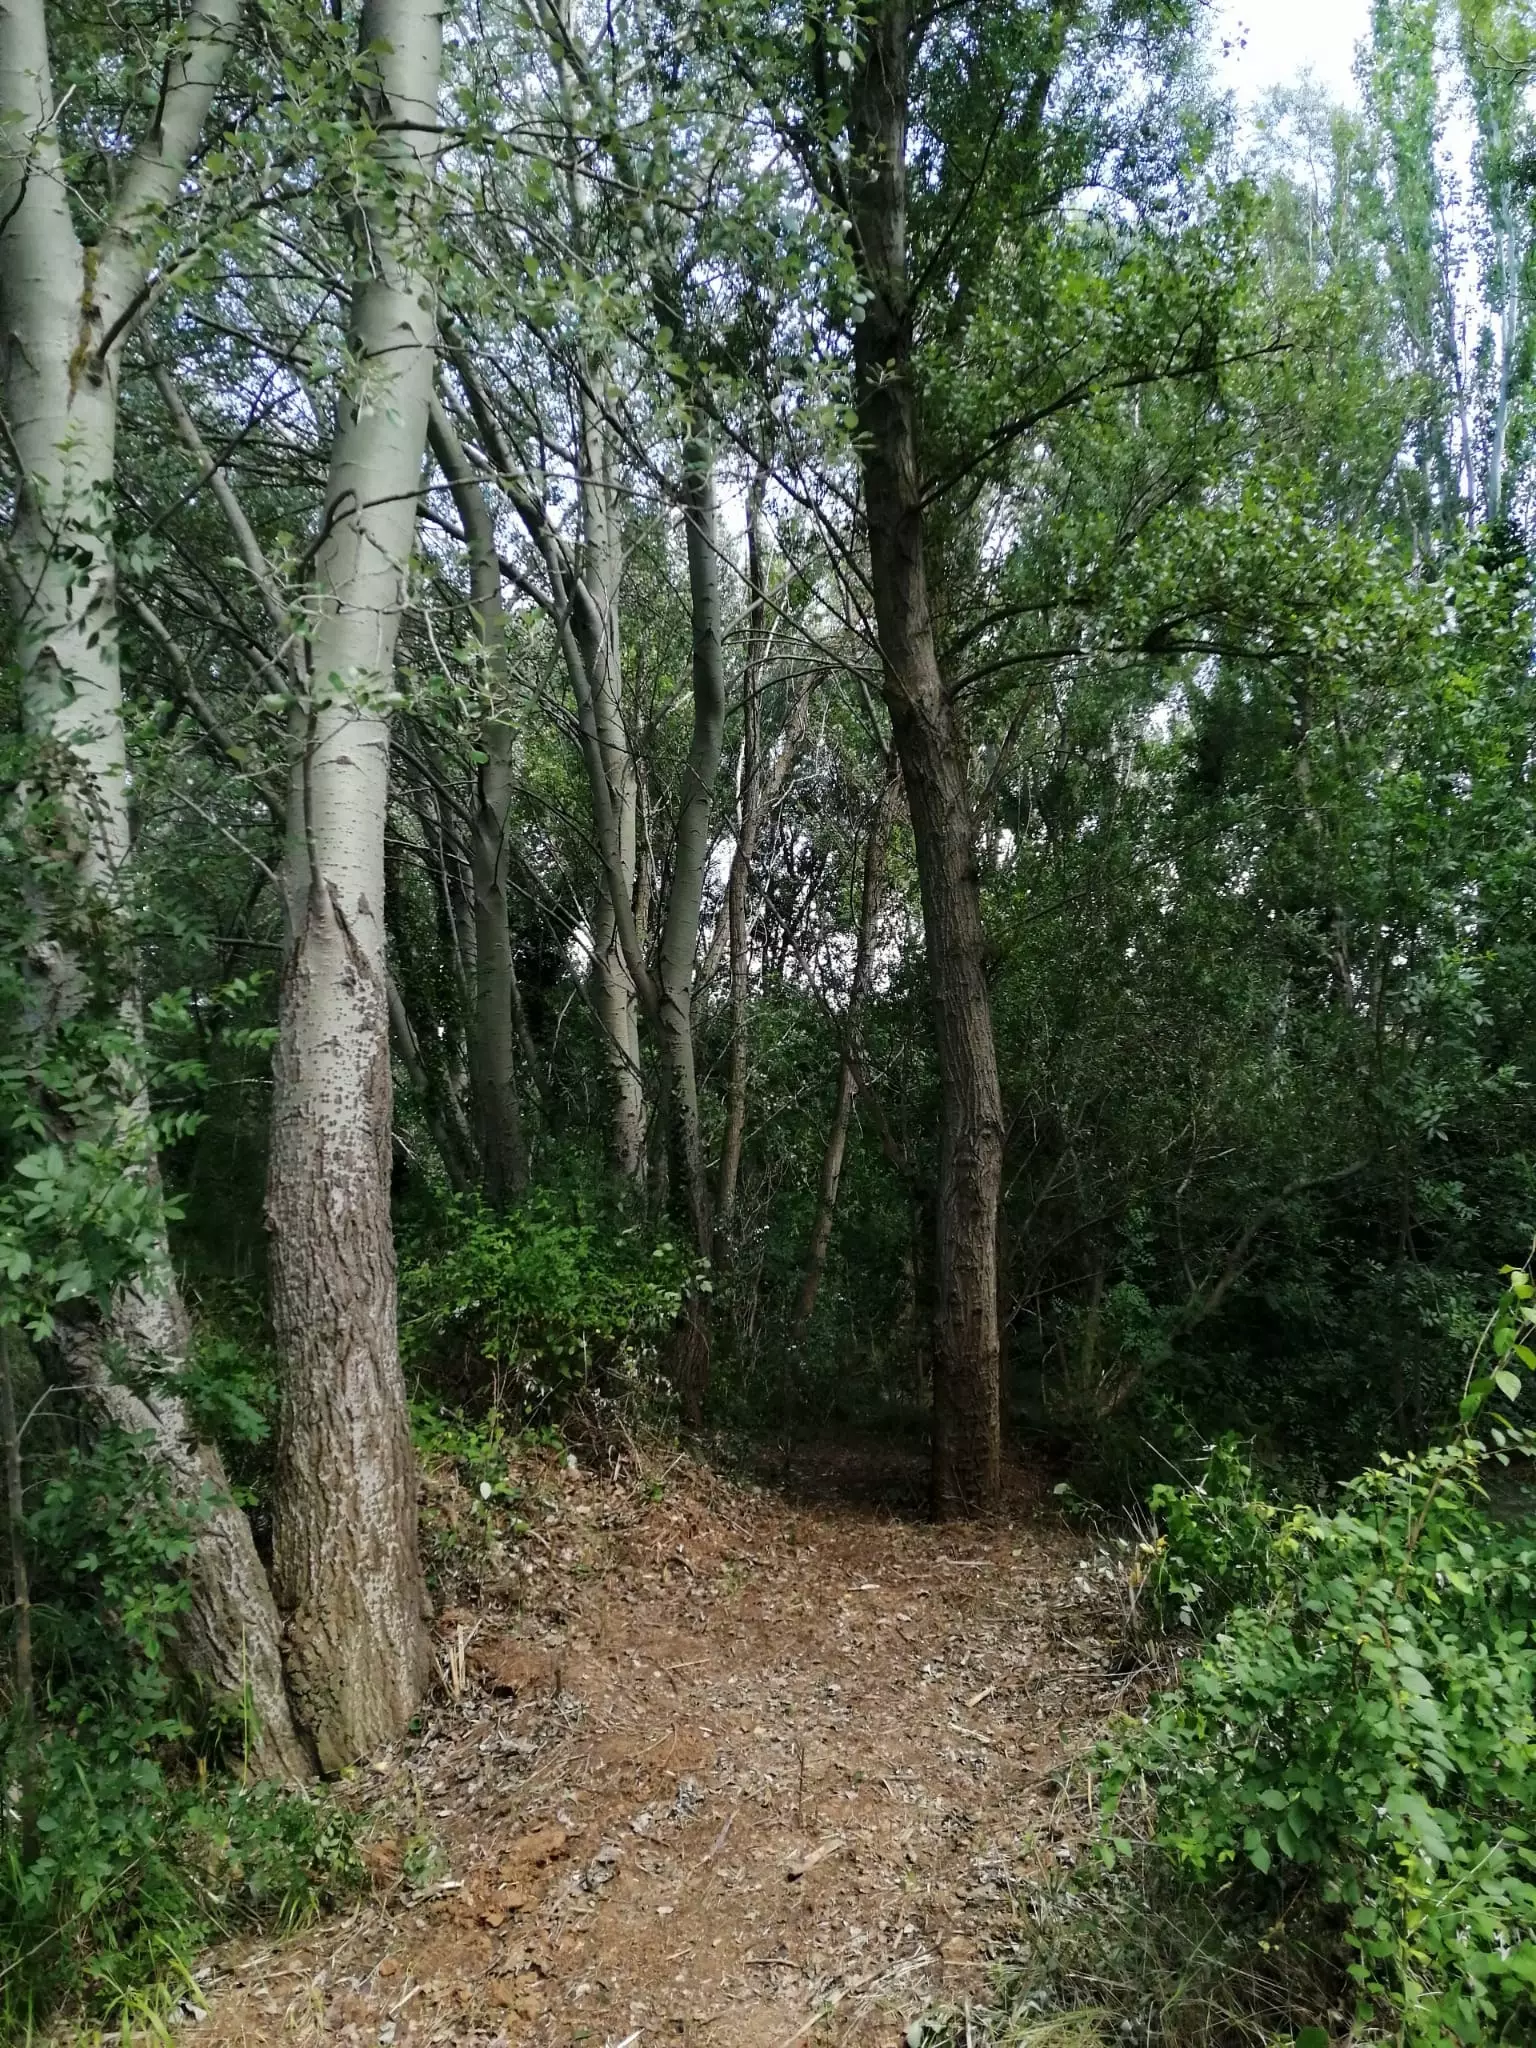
x: 65, y: 315
x: 346, y: 1562
x: 967, y: 1430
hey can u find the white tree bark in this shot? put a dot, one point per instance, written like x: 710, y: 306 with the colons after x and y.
x: 346, y: 1563
x: 65, y: 314
x: 597, y: 627
x: 491, y: 1026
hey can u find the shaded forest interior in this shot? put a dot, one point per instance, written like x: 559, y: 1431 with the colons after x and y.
x: 803, y: 730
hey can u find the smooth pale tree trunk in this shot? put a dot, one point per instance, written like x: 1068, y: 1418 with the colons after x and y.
x: 748, y: 818
x: 597, y: 629
x: 492, y: 1030
x: 967, y: 1430
x: 346, y: 1564
x: 65, y: 315
x: 847, y: 1072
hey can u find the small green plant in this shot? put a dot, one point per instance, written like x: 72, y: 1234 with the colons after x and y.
x: 1354, y: 1752
x: 1215, y: 1546
x: 121, y: 1852
x: 535, y: 1304
x: 479, y: 1450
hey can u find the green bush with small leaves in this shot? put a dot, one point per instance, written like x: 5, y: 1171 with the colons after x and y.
x: 1353, y: 1751
x: 541, y: 1301
x: 1216, y: 1542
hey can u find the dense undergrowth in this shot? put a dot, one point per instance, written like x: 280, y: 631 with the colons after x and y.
x: 1326, y: 1828
x: 129, y: 1838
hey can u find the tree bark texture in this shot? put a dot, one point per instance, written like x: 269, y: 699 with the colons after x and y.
x: 65, y: 314
x: 967, y: 1435
x: 230, y: 1634
x: 346, y: 1564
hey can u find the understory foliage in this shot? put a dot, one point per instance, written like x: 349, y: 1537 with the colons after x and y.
x: 540, y: 1304
x: 127, y: 1840
x: 1350, y: 1756
x: 1209, y: 480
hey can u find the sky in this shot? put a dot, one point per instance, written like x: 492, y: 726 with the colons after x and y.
x: 1270, y: 42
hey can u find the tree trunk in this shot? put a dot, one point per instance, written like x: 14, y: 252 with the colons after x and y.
x: 492, y: 1029
x: 597, y: 631
x: 346, y: 1562
x: 229, y: 1637
x: 847, y: 1072
x: 24, y: 1759
x: 680, y: 933
x: 63, y: 322
x: 749, y: 813
x: 439, y: 1116
x: 493, y: 1072
x: 967, y: 1431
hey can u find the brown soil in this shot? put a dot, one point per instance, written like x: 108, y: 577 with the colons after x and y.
x: 732, y: 1768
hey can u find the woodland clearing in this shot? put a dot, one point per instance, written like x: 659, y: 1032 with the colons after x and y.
x: 735, y: 1764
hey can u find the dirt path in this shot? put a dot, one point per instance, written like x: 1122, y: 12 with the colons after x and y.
x: 734, y: 1771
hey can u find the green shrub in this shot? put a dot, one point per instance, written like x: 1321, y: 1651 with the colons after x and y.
x: 1356, y: 1747
x: 1215, y: 1545
x: 535, y: 1303
x: 121, y: 1855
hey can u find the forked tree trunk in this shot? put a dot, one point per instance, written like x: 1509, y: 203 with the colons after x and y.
x: 64, y: 318
x: 966, y: 1423
x: 346, y: 1563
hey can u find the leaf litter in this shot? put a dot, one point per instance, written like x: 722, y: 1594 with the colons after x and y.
x: 729, y: 1767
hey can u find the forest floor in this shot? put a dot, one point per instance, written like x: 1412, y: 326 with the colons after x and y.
x: 723, y: 1765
